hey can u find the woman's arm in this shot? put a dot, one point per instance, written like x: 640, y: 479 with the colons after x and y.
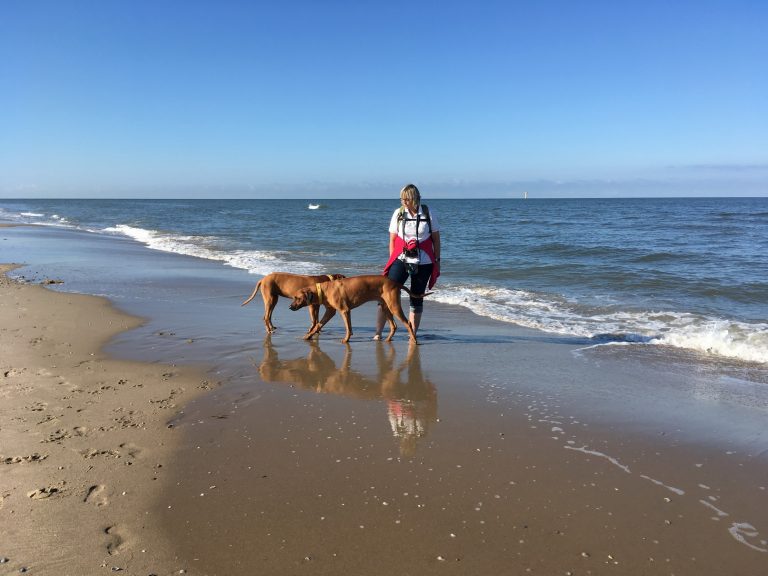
x: 436, y: 244
x: 391, y: 242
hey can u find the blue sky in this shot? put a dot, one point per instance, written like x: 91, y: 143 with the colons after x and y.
x: 333, y: 98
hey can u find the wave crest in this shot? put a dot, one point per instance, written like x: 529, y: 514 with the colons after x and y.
x: 741, y: 341
x: 254, y: 261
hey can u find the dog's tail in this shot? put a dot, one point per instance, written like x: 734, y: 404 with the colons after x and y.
x: 253, y: 294
x: 412, y: 295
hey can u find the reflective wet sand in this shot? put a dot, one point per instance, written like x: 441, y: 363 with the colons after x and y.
x: 373, y: 457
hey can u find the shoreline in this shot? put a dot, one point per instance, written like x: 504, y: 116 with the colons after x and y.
x: 634, y: 293
x: 486, y: 449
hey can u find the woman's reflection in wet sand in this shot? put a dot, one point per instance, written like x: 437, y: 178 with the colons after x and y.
x: 411, y: 398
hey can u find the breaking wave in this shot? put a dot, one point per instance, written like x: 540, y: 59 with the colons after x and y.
x: 549, y: 313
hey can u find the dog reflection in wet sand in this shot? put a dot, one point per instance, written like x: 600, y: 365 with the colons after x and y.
x: 411, y: 398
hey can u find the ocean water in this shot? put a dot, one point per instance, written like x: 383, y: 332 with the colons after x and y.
x: 690, y: 273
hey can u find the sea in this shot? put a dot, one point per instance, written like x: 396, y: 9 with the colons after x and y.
x: 688, y: 273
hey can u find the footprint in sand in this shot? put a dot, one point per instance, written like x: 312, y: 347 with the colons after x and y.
x: 48, y: 419
x: 35, y: 457
x: 94, y: 453
x: 13, y: 372
x: 42, y: 493
x: 96, y: 495
x: 130, y: 450
x: 115, y: 542
x: 57, y: 436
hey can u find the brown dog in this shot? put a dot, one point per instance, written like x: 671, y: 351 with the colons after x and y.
x: 348, y: 293
x: 286, y: 285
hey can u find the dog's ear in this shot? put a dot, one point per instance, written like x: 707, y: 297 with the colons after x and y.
x: 304, y: 295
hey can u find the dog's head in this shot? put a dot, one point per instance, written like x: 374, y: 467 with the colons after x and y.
x: 303, y: 297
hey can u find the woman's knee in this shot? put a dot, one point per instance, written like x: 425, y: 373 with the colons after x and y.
x: 397, y: 272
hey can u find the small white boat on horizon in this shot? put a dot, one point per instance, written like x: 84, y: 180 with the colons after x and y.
x: 313, y: 206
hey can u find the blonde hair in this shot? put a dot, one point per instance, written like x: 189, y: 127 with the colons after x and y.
x: 411, y: 193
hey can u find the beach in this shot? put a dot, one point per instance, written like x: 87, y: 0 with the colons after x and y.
x: 85, y: 441
x: 159, y: 431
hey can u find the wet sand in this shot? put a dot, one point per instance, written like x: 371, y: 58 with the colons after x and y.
x: 485, y: 450
x: 378, y: 464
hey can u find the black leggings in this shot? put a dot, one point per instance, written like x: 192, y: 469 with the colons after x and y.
x: 399, y: 273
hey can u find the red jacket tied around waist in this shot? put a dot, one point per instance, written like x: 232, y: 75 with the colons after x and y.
x: 425, y: 245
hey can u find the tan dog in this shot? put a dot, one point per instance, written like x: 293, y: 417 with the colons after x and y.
x: 348, y: 293
x: 286, y: 285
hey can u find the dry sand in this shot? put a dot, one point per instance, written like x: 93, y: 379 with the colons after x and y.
x: 84, y: 439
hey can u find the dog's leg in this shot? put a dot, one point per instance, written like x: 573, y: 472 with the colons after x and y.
x: 329, y: 313
x: 314, y: 311
x: 393, y: 303
x: 392, y: 329
x: 270, y: 302
x: 346, y: 315
x: 388, y: 317
x: 314, y: 330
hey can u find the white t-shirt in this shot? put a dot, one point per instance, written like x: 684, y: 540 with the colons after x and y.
x: 421, y: 234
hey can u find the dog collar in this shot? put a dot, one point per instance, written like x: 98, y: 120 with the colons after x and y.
x: 319, y: 293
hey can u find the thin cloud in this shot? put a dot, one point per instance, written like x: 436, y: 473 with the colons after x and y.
x: 722, y: 167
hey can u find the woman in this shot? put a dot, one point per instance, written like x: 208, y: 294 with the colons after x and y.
x: 414, y: 250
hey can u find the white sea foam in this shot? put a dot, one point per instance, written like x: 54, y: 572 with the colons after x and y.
x: 743, y: 530
x: 724, y: 338
x: 610, y: 459
x: 672, y: 489
x: 719, y: 513
x: 13, y: 216
x: 254, y: 261
x: 37, y: 218
x: 731, y: 339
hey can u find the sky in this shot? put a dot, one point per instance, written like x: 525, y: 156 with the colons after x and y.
x: 355, y: 98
